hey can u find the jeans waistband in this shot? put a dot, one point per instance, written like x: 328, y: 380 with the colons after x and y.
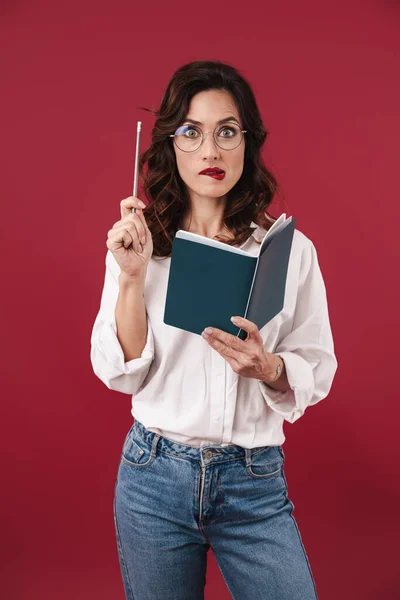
x: 211, y: 453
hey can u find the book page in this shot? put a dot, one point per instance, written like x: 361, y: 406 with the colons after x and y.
x: 201, y: 239
x: 274, y: 230
x: 268, y: 238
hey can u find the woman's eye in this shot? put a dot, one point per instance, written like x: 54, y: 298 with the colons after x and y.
x: 191, y: 132
x: 229, y: 130
x: 188, y: 131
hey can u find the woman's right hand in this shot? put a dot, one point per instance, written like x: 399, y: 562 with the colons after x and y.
x: 130, y: 239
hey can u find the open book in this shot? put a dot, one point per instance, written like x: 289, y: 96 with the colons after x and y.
x: 210, y: 281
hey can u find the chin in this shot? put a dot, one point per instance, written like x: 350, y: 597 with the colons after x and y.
x: 218, y: 193
x: 213, y: 188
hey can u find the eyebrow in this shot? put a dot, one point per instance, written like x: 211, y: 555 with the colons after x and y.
x: 218, y: 122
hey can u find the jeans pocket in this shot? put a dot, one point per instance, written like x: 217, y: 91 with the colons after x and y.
x: 135, y: 451
x: 266, y: 464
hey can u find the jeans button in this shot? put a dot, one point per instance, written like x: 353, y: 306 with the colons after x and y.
x: 208, y: 454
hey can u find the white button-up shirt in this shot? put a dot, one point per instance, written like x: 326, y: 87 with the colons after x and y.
x: 186, y: 391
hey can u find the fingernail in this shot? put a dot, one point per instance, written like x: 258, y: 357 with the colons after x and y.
x: 140, y: 248
x: 234, y: 320
x: 143, y: 240
x: 141, y: 204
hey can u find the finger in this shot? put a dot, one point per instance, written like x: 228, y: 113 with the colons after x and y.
x: 247, y: 325
x: 236, y: 366
x: 134, y: 218
x: 132, y: 232
x: 133, y: 201
x: 128, y: 203
x: 233, y: 362
x: 227, y: 339
x: 231, y: 356
x: 142, y: 217
x: 120, y: 235
x: 133, y: 224
x: 223, y: 349
x: 115, y: 241
x: 135, y: 237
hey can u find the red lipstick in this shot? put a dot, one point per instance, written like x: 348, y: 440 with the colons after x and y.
x: 213, y: 172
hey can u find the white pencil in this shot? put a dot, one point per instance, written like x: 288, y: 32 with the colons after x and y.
x: 136, y: 173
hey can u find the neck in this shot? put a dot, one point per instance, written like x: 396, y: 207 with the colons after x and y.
x: 205, y: 217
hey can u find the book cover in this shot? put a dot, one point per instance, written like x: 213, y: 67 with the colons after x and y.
x: 210, y: 281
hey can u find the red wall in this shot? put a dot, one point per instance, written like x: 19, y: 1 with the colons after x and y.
x: 326, y: 80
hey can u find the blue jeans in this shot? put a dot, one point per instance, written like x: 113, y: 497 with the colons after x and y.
x: 172, y: 502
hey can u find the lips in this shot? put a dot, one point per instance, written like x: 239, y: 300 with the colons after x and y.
x: 212, y: 171
x: 215, y: 173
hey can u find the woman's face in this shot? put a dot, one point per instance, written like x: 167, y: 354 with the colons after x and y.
x: 208, y: 108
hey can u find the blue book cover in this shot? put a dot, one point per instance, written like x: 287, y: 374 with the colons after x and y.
x: 210, y: 281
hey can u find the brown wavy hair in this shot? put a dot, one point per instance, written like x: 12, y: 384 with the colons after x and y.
x: 166, y: 192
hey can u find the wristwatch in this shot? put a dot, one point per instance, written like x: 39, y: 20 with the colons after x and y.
x: 277, y: 372
x: 279, y: 368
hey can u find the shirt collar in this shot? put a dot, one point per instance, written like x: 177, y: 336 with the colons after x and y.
x: 258, y: 234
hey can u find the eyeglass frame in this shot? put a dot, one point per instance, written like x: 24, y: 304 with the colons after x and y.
x: 203, y: 134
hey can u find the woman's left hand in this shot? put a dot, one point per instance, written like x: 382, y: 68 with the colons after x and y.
x: 247, y: 357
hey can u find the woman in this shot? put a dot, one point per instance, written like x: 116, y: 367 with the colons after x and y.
x: 202, y: 465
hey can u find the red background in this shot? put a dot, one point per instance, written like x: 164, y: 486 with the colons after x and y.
x: 73, y: 76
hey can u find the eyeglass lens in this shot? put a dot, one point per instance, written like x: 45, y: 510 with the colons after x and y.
x: 189, y: 137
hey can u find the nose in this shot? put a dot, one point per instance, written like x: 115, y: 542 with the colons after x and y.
x: 209, y: 148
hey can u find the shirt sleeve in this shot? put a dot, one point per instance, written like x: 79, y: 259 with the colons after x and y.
x: 308, y: 350
x: 106, y: 354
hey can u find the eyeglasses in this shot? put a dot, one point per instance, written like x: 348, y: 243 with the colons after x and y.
x: 189, y: 138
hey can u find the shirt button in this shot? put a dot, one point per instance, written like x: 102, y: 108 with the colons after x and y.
x: 216, y: 418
